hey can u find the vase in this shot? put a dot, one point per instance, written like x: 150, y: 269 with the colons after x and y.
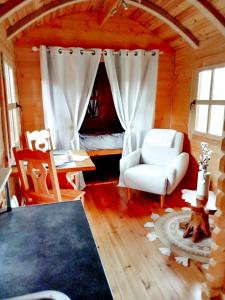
x: 203, y: 185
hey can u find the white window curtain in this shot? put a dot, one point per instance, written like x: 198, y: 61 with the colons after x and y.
x: 68, y: 77
x: 67, y: 81
x: 133, y: 79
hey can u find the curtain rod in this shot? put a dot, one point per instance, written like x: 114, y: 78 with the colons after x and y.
x: 92, y: 51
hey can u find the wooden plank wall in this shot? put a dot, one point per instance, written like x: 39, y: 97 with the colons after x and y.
x: 187, y: 61
x: 29, y: 88
x: 74, y: 31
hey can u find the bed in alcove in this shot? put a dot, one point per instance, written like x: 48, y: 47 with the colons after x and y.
x: 101, y: 133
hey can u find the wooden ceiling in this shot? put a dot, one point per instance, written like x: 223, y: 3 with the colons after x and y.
x: 176, y: 22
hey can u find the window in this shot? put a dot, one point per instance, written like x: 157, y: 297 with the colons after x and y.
x: 210, y: 101
x: 13, y: 113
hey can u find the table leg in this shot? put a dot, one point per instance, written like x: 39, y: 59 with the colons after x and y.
x: 70, y: 176
x: 9, y: 208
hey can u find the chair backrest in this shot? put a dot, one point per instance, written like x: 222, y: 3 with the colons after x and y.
x: 166, y: 150
x: 39, y: 140
x: 33, y: 167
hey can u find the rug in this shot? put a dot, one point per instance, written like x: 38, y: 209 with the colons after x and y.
x: 50, y: 247
x: 168, y: 231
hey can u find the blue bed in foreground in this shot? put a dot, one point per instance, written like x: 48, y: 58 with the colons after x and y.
x: 50, y: 247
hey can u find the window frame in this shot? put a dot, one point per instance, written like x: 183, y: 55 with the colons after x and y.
x: 209, y: 102
x: 10, y: 107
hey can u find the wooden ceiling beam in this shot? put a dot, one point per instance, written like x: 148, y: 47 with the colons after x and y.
x: 108, y: 11
x: 211, y: 13
x: 165, y: 17
x: 10, y: 7
x: 145, y: 5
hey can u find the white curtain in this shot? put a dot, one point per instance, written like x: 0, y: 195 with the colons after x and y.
x: 67, y: 81
x: 68, y: 77
x: 133, y: 79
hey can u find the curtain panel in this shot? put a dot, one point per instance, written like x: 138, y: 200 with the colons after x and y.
x: 68, y: 77
x: 133, y: 81
x: 67, y: 82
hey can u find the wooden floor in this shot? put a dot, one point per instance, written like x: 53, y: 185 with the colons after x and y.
x: 134, y: 267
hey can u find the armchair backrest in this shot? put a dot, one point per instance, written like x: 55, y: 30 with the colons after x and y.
x: 161, y: 153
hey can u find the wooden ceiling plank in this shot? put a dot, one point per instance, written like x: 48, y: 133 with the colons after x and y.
x: 10, y: 7
x: 145, y: 5
x: 163, y: 15
x: 211, y: 13
x: 38, y: 14
x: 108, y: 11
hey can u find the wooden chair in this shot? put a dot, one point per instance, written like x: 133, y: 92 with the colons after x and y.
x: 39, y: 140
x: 33, y: 167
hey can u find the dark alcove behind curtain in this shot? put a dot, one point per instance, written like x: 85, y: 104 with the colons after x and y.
x: 101, y: 117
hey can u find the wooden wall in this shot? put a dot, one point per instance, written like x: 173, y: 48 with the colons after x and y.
x: 187, y: 61
x: 83, y: 30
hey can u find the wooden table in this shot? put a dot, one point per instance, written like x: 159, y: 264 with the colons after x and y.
x: 76, y: 166
x: 4, y: 177
x: 70, y: 168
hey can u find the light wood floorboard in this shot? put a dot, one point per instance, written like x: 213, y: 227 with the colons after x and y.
x: 134, y: 266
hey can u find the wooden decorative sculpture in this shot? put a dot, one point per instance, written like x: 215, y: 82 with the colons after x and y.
x: 199, y: 222
x: 216, y: 272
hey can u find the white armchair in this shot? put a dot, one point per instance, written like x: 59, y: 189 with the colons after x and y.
x: 159, y: 166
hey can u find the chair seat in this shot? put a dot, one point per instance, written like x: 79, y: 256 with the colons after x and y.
x: 148, y: 178
x: 70, y: 195
x: 66, y: 194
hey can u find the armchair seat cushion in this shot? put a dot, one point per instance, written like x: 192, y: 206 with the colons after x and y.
x: 148, y: 178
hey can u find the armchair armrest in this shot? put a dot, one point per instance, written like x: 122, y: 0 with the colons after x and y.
x: 50, y: 294
x: 131, y: 160
x: 176, y: 171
